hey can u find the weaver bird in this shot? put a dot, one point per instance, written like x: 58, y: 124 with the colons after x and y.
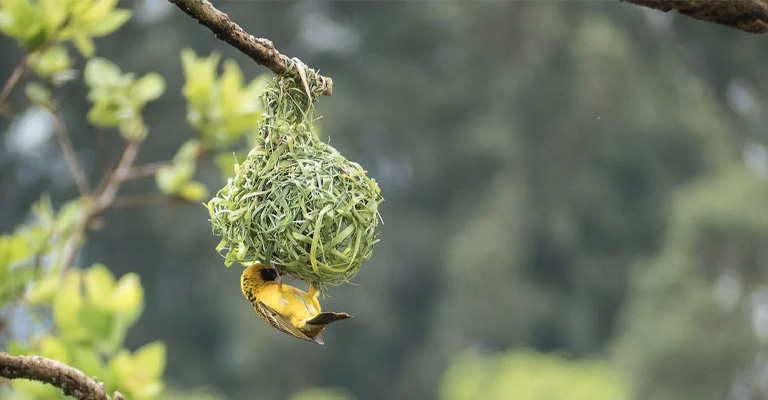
x: 285, y: 307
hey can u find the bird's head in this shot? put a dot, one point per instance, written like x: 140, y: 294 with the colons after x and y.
x: 261, y: 272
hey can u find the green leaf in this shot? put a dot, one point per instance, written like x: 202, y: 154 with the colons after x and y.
x: 122, y: 368
x: 14, y: 281
x: 99, y: 283
x: 86, y: 359
x: 13, y: 248
x: 18, y: 349
x: 132, y: 128
x: 37, y: 94
x: 98, y: 322
x: 54, y: 60
x: 20, y: 20
x: 67, y: 305
x: 199, y: 75
x: 69, y: 215
x: 101, y: 72
x: 194, y: 191
x: 128, y: 296
x: 44, y: 290
x: 171, y: 178
x: 96, y: 10
x: 148, y: 88
x: 231, y: 82
x: 36, y: 390
x: 108, y: 24
x: 188, y: 151
x: 151, y: 359
x: 84, y: 45
x: 53, y: 347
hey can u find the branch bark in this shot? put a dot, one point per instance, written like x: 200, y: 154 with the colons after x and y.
x: 747, y: 15
x: 260, y: 50
x: 69, y: 154
x: 71, y: 381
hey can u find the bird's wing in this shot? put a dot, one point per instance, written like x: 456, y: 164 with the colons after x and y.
x: 278, y: 321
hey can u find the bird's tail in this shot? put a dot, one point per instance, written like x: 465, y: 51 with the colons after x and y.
x: 326, y: 318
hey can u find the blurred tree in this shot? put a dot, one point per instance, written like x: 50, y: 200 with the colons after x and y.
x: 322, y: 394
x: 529, y: 375
x: 695, y: 326
x: 549, y: 241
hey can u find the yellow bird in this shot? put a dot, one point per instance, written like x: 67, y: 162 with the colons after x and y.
x: 285, y: 307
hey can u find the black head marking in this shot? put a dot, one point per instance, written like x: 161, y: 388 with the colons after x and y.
x: 268, y: 274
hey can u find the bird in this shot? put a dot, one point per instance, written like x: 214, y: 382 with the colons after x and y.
x: 285, y: 307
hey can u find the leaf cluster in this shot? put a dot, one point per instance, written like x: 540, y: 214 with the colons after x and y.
x: 90, y: 310
x: 36, y: 23
x: 119, y: 98
x: 222, y: 108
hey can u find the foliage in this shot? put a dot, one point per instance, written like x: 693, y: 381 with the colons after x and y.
x: 42, y: 238
x: 528, y: 375
x: 119, y: 98
x: 48, y: 306
x: 322, y: 394
x: 37, y: 23
x: 176, y: 178
x: 91, y: 314
x: 221, y: 108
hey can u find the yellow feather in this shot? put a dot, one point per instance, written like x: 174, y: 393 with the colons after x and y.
x: 286, y: 307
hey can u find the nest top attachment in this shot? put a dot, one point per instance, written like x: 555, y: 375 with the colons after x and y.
x: 295, y: 203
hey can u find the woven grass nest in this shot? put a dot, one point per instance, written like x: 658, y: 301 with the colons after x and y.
x: 295, y: 203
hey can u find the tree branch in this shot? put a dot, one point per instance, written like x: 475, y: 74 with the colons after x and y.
x: 102, y: 199
x: 18, y: 75
x: 260, y: 50
x: 109, y: 191
x: 69, y: 154
x: 748, y: 15
x: 147, y: 199
x: 71, y: 381
x: 24, y: 67
x: 143, y: 171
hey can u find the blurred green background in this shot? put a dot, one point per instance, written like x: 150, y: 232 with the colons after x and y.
x: 576, y: 203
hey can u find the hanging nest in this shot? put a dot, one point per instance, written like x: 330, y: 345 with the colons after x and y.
x: 296, y: 203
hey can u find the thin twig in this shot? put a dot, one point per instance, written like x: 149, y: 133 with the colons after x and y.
x: 69, y: 154
x: 104, y: 195
x: 140, y: 200
x: 260, y: 50
x: 101, y: 149
x: 115, y: 178
x: 71, y: 381
x: 18, y: 74
x: 22, y: 70
x: 143, y: 171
